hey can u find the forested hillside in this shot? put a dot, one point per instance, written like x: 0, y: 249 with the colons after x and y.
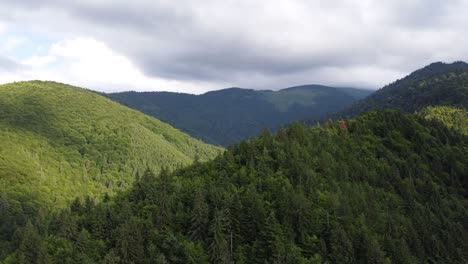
x: 59, y: 142
x: 385, y: 187
x: 453, y: 118
x: 228, y: 116
x: 436, y: 84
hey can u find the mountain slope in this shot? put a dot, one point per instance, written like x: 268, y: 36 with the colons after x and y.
x: 385, y: 187
x: 453, y: 118
x: 435, y: 84
x: 59, y: 142
x: 227, y: 116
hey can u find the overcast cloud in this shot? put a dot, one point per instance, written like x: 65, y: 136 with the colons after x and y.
x: 195, y: 46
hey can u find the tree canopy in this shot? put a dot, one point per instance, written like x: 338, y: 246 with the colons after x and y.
x: 385, y: 187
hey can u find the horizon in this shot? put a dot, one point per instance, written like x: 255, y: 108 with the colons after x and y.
x: 196, y: 47
x: 243, y: 88
x: 202, y: 93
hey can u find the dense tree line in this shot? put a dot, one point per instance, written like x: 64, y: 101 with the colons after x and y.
x: 385, y: 187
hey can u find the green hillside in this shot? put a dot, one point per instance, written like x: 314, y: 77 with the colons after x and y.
x: 385, y: 187
x: 58, y: 142
x: 453, y: 118
x: 228, y: 116
x: 436, y: 84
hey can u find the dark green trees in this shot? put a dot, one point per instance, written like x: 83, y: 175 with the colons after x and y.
x: 385, y: 188
x: 30, y: 246
x: 199, y: 218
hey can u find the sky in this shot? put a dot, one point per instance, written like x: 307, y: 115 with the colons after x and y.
x: 195, y: 46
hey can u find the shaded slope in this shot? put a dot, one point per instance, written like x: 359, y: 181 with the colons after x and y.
x: 227, y: 116
x: 435, y: 84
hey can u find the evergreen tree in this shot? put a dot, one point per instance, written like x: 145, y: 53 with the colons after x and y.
x: 218, y: 248
x: 341, y: 247
x: 164, y: 200
x: 200, y: 220
x: 30, y: 246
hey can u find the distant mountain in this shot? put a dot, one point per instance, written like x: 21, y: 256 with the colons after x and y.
x: 58, y: 142
x: 436, y: 84
x: 227, y: 116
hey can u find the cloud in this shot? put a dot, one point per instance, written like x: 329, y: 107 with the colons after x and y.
x: 181, y: 45
x: 3, y: 28
x: 8, y: 65
x: 11, y: 43
x: 92, y: 64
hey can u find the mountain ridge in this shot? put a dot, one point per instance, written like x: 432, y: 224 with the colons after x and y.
x: 227, y: 116
x: 435, y: 84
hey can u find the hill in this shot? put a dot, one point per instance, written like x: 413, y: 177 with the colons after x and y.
x: 385, y: 187
x: 59, y: 142
x: 435, y: 84
x: 228, y: 116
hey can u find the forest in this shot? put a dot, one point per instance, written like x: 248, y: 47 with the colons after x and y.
x: 233, y: 132
x: 384, y: 187
x: 59, y: 142
x: 438, y: 84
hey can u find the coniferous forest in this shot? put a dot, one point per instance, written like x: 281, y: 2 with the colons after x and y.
x: 385, y: 187
x: 233, y: 132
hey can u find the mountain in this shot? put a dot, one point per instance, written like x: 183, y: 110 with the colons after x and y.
x: 59, y: 142
x: 227, y: 116
x: 385, y: 187
x: 435, y: 84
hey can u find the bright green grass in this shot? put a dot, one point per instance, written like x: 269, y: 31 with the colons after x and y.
x: 58, y: 142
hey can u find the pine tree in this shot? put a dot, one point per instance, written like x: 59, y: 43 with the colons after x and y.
x: 30, y: 246
x: 164, y: 201
x: 218, y: 248
x: 67, y: 225
x: 131, y: 242
x: 273, y: 240
x: 375, y: 255
x: 199, y: 219
x: 341, y: 246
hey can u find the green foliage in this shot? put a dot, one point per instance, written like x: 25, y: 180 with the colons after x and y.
x: 438, y: 84
x: 59, y: 142
x: 228, y: 116
x: 454, y: 118
x: 385, y: 187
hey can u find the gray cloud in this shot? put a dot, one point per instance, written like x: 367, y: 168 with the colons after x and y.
x: 263, y: 44
x: 7, y: 65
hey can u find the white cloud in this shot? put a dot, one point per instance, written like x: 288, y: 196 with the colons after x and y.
x: 11, y: 43
x: 3, y: 28
x: 39, y: 61
x: 90, y: 63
